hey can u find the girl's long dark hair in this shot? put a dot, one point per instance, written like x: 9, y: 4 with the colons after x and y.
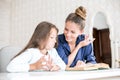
x: 39, y: 36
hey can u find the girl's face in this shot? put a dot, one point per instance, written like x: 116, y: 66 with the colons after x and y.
x: 51, y: 39
x: 71, y: 31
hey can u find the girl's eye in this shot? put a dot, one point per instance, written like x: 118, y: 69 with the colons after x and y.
x: 73, y: 32
x: 53, y: 37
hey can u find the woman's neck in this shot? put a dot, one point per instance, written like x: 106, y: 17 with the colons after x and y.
x: 72, y: 46
x: 71, y: 43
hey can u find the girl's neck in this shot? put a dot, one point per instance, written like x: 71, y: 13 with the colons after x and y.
x: 44, y: 51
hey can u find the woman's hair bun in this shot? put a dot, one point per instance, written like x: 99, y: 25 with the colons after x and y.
x: 81, y: 11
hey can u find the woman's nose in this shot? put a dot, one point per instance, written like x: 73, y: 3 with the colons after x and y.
x: 68, y: 33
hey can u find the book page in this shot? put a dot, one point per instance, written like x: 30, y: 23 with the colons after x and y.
x: 97, y: 66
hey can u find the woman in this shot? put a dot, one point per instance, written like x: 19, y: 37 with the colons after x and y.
x: 39, y: 54
x: 73, y: 46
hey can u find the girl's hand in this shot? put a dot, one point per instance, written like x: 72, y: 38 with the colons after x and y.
x: 51, y: 65
x: 55, y: 68
x: 39, y: 64
x: 49, y: 61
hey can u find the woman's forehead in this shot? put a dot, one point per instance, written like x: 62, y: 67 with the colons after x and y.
x: 71, y: 25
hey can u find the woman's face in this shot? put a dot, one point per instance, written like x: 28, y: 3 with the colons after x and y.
x: 51, y: 39
x: 71, y: 31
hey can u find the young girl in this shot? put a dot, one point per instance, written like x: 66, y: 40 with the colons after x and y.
x: 39, y: 54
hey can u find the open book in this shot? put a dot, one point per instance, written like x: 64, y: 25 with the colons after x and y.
x: 97, y: 66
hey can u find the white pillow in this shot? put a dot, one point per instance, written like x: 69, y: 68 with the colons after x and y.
x: 6, y: 54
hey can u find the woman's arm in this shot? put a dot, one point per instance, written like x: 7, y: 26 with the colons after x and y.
x: 73, y: 54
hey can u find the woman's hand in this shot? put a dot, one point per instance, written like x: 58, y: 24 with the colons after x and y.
x: 86, y: 41
x: 80, y: 64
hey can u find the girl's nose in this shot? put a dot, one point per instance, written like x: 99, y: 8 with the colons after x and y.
x: 55, y: 40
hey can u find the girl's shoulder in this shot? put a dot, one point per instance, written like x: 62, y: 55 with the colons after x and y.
x: 52, y: 51
x: 32, y: 49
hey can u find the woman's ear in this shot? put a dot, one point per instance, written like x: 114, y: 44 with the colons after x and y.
x: 81, y: 32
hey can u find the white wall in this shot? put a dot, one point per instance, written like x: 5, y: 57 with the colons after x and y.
x: 26, y: 14
x: 4, y: 22
x: 18, y: 18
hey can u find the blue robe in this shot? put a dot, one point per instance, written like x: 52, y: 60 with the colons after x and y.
x: 85, y: 53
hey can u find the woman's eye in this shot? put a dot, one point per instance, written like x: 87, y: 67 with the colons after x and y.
x: 66, y: 29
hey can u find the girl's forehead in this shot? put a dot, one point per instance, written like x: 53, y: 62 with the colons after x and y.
x: 53, y: 31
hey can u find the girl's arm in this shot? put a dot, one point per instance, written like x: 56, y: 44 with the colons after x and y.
x: 58, y: 62
x: 20, y: 63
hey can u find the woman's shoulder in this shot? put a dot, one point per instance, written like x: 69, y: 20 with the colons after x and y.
x: 60, y: 35
x: 61, y: 38
x: 80, y: 38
